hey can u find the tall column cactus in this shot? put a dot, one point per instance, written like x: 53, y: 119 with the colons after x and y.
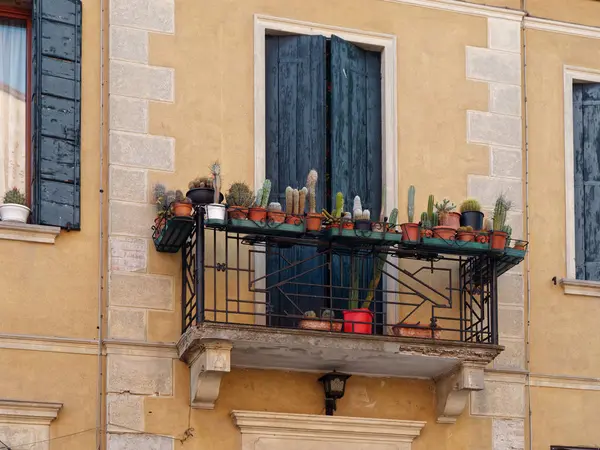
x: 302, y: 200
x: 311, y: 185
x: 410, y: 208
x: 266, y: 193
x: 296, y: 197
x: 289, y: 200
x: 430, y: 214
x: 501, y: 209
x: 215, y: 170
x: 339, y: 205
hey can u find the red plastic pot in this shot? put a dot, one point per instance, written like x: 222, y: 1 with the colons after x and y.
x: 257, y: 214
x: 358, y: 321
x: 410, y: 231
x: 237, y: 212
x: 446, y: 233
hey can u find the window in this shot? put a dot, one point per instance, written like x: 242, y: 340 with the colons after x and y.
x: 323, y: 111
x: 15, y: 27
x: 40, y: 108
x: 586, y: 146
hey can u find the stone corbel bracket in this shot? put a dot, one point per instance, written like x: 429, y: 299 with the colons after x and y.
x: 206, y: 370
x: 453, y: 389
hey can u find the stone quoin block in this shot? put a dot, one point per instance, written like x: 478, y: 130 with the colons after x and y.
x: 151, y: 15
x: 511, y: 290
x: 130, y: 185
x: 506, y: 162
x: 494, y: 129
x: 487, y: 190
x: 499, y: 399
x: 484, y: 64
x: 505, y: 99
x: 142, y: 151
x: 141, y: 291
x: 139, y: 442
x: 504, y: 35
x: 125, y: 412
x: 511, y: 322
x: 132, y: 219
x: 128, y: 114
x: 144, y: 375
x: 513, y: 356
x: 508, y: 434
x: 127, y: 323
x: 128, y: 254
x: 129, y: 44
x: 142, y: 81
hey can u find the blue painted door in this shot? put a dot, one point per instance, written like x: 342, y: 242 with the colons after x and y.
x: 586, y: 109
x: 295, y: 144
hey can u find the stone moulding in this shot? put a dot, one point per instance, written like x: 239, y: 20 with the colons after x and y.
x: 293, y: 429
x: 206, y: 370
x: 31, y: 413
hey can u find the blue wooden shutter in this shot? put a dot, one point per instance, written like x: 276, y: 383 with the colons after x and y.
x: 586, y: 125
x: 295, y: 143
x: 56, y: 112
x: 355, y: 146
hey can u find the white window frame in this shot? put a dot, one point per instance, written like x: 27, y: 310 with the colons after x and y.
x: 572, y: 75
x: 386, y: 44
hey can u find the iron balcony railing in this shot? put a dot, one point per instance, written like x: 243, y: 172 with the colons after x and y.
x: 238, y: 272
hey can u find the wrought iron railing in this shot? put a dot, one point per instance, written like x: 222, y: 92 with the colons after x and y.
x: 237, y: 273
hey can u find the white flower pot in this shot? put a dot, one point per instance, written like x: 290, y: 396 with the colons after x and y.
x: 215, y: 211
x: 11, y: 212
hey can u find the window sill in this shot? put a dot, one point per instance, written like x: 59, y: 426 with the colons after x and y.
x: 580, y: 287
x: 25, y: 232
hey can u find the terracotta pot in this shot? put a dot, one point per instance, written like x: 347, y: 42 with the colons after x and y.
x: 237, y: 212
x: 446, y: 233
x: 358, y: 321
x: 452, y: 220
x: 410, y: 231
x: 482, y: 238
x: 257, y: 214
x: 418, y: 331
x: 320, y: 324
x: 313, y: 222
x: 498, y: 240
x: 377, y: 227
x: 519, y: 246
x: 182, y: 209
x: 347, y: 225
x: 276, y: 216
x: 465, y: 236
x: 293, y: 220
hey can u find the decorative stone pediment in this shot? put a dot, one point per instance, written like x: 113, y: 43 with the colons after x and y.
x: 275, y: 431
x: 23, y: 422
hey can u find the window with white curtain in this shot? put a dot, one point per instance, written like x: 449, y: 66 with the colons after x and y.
x: 13, y: 104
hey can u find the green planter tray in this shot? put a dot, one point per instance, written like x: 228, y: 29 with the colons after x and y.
x: 251, y: 227
x: 174, y: 234
x: 364, y: 236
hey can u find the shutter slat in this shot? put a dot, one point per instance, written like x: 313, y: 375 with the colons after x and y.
x: 56, y: 111
x: 578, y: 186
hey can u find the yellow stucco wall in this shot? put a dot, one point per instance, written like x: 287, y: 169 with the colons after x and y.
x: 560, y: 343
x: 53, y: 289
x: 287, y: 392
x: 70, y: 379
x: 584, y: 12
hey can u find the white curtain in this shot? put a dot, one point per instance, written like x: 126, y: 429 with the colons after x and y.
x: 13, y: 110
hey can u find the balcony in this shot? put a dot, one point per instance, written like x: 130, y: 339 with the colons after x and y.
x: 270, y: 296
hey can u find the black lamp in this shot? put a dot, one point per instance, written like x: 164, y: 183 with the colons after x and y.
x: 334, y: 384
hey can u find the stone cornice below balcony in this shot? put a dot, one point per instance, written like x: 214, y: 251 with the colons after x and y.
x: 212, y: 349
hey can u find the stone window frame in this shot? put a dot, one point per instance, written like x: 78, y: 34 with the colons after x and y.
x: 30, y: 418
x: 386, y: 43
x: 570, y: 284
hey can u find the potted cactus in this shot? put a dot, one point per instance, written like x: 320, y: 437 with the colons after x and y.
x: 216, y: 210
x: 362, y: 217
x: 471, y: 215
x: 163, y: 200
x: 338, y: 218
x: 258, y: 212
x: 274, y: 213
x: 447, y: 216
x: 239, y: 199
x: 13, y: 208
x: 465, y: 234
x: 295, y: 201
x: 200, y: 191
x: 326, y: 322
x: 410, y: 230
x: 500, y: 230
x: 182, y: 206
x: 445, y: 232
x: 313, y: 219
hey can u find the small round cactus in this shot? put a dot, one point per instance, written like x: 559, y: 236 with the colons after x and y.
x: 310, y: 315
x: 470, y: 204
x: 240, y: 194
x: 274, y: 206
